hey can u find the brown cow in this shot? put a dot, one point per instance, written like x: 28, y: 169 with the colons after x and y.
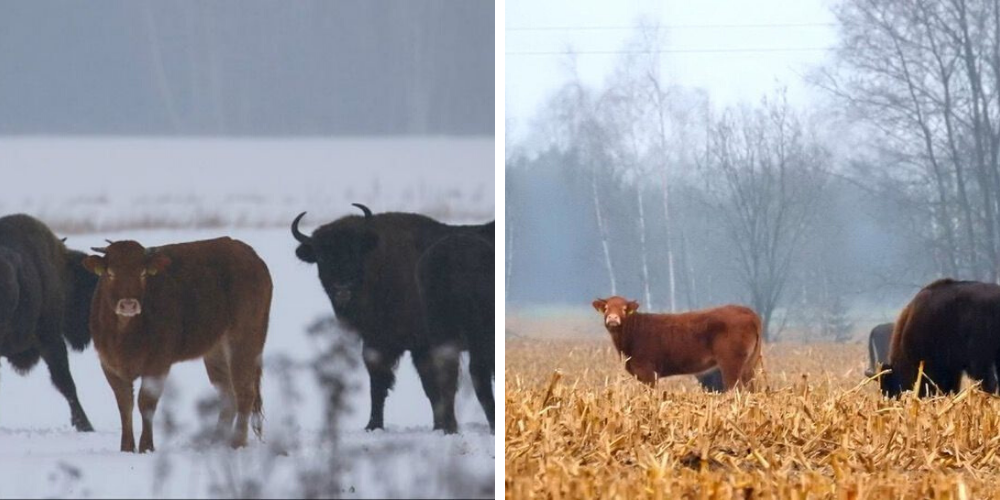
x: 155, y: 307
x: 660, y: 345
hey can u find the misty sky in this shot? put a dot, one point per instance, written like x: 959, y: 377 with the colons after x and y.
x: 247, y: 67
x: 692, y: 27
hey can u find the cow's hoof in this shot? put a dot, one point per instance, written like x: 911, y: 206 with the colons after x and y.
x: 146, y: 449
x: 83, y: 426
x: 373, y: 426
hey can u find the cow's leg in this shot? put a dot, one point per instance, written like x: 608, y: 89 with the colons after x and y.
x: 481, y: 368
x: 245, y: 373
x: 124, y: 397
x: 217, y: 365
x: 642, y: 371
x: 438, y: 370
x: 730, y: 370
x: 56, y: 358
x: 149, y: 396
x: 380, y: 364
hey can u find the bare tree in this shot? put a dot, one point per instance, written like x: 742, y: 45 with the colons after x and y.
x: 923, y: 75
x: 765, y: 178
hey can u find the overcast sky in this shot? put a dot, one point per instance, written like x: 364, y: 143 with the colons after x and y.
x: 709, y: 45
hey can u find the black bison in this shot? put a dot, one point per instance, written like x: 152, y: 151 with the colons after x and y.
x: 950, y: 326
x: 455, y: 277
x: 878, y: 348
x: 711, y: 380
x: 45, y: 298
x: 159, y: 306
x: 368, y: 267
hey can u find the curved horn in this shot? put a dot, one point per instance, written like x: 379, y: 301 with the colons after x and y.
x: 366, y: 210
x: 298, y: 234
x: 100, y: 249
x: 110, y: 242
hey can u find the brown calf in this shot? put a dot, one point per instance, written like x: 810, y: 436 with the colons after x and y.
x: 660, y: 345
x: 155, y: 307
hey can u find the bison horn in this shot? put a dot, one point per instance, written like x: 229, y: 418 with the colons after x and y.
x: 298, y: 234
x: 366, y: 210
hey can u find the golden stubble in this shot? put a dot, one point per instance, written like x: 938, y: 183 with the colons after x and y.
x: 577, y: 426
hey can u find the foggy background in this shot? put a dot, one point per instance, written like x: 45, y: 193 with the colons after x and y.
x: 256, y: 67
x: 846, y: 154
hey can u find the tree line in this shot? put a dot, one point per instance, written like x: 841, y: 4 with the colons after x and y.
x: 824, y: 218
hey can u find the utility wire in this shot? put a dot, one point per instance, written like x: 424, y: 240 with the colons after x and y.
x: 669, y: 27
x: 668, y: 51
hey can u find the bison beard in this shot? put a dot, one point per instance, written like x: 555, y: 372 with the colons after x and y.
x: 44, y: 302
x: 405, y: 282
x: 949, y: 326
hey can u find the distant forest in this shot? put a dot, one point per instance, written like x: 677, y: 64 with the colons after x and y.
x: 247, y: 67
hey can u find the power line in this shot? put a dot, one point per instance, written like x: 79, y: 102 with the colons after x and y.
x: 674, y: 26
x: 669, y: 51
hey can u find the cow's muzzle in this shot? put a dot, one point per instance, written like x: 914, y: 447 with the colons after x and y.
x: 612, y: 320
x: 128, y: 308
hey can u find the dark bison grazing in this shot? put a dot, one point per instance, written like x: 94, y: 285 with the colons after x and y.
x: 455, y: 276
x: 155, y: 307
x: 660, y: 345
x: 374, y: 268
x: 951, y: 326
x: 711, y: 380
x: 878, y: 348
x: 44, y: 298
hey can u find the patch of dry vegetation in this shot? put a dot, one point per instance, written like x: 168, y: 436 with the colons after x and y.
x: 577, y: 426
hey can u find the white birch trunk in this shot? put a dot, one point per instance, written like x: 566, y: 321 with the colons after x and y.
x: 602, y: 229
x: 642, y: 248
x: 670, y: 246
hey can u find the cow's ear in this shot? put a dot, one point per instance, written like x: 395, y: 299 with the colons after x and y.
x: 599, y: 304
x: 305, y: 253
x: 157, y: 263
x: 94, y: 264
x: 631, y: 307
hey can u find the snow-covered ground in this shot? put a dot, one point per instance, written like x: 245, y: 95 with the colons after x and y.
x: 41, y: 455
x: 85, y: 185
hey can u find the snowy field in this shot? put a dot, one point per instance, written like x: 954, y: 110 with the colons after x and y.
x: 86, y: 185
x: 40, y: 454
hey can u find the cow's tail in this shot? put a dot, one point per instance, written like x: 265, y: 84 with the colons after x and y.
x: 757, y: 359
x: 257, y: 412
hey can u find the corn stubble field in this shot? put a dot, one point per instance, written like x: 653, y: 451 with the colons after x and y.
x: 577, y: 426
